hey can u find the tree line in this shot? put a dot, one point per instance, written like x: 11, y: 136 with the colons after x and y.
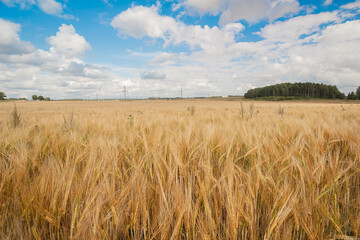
x: 34, y: 97
x: 301, y: 90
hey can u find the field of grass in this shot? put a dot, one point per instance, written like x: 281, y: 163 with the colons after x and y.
x: 180, y: 170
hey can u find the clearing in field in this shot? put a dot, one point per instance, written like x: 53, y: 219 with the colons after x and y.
x: 179, y: 170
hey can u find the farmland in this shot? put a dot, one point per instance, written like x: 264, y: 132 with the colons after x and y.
x: 185, y: 169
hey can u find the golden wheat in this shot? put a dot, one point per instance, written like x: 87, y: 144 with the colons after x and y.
x: 156, y: 170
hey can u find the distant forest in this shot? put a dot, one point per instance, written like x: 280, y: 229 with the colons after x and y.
x: 301, y: 90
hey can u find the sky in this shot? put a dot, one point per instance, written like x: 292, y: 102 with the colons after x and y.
x: 93, y: 49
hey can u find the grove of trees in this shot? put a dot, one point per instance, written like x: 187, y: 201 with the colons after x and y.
x: 351, y: 96
x: 354, y: 95
x: 305, y: 90
x: 40, y: 98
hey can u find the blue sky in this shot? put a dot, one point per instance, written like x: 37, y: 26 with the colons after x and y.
x: 84, y: 49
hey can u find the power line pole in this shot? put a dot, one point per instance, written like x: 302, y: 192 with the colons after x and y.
x: 125, y: 91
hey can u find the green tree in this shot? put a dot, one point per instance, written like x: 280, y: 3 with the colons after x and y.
x: 2, y: 96
x: 41, y: 98
x: 47, y: 99
x: 296, y: 90
x: 34, y: 97
x: 358, y: 93
x: 351, y: 96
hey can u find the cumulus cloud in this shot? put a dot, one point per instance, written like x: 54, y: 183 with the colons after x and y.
x: 10, y: 42
x: 333, y: 52
x: 249, y: 10
x: 68, y: 42
x: 58, y: 72
x: 140, y: 21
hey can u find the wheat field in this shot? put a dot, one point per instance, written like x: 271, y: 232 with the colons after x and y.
x: 203, y: 169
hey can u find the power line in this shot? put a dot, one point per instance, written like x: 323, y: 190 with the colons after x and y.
x: 124, y: 91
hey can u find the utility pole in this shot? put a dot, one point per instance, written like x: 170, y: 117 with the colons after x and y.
x: 124, y: 92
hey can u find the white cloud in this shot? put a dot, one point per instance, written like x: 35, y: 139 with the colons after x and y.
x: 295, y: 27
x: 352, y: 6
x: 210, y: 39
x: 344, y: 32
x: 51, y: 7
x: 10, y: 42
x: 327, y: 2
x: 152, y: 75
x: 140, y: 21
x: 68, y: 42
x: 249, y: 10
x: 334, y: 50
x: 59, y: 72
x: 281, y: 8
x: 23, y: 3
x: 350, y: 10
x: 205, y: 6
x: 165, y: 58
x: 331, y: 57
x: 244, y: 87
